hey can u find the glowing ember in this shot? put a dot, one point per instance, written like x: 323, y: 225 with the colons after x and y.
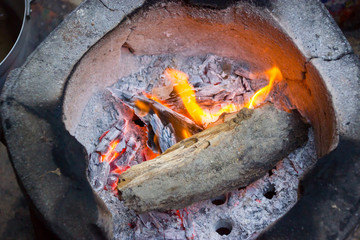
x: 181, y: 217
x: 121, y: 169
x: 110, y: 154
x: 121, y: 147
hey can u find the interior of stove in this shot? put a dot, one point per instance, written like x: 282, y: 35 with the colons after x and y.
x: 122, y: 104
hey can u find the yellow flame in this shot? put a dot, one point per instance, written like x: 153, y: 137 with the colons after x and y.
x: 261, y: 95
x: 142, y: 106
x: 202, y: 117
x: 187, y: 95
x: 186, y: 133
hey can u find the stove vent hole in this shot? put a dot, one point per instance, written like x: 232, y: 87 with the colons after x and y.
x: 220, y: 200
x: 270, y: 193
x: 223, y: 227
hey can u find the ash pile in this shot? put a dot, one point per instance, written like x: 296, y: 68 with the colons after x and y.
x: 138, y: 118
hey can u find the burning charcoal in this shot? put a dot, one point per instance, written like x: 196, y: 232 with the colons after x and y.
x: 93, y: 162
x: 120, y: 147
x: 124, y: 96
x: 178, y: 121
x: 221, y: 96
x: 209, y: 63
x: 167, y: 139
x: 165, y: 134
x: 111, y: 181
x: 251, y: 80
x: 239, y: 99
x: 98, y: 173
x: 113, y: 133
x: 110, y: 159
x: 175, y: 179
x: 189, y: 227
x: 132, y: 147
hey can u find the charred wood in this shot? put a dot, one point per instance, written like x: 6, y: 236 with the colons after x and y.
x: 227, y: 156
x: 114, y: 132
x: 166, y: 115
x: 165, y: 134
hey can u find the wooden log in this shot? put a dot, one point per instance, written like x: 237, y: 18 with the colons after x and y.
x: 215, y: 161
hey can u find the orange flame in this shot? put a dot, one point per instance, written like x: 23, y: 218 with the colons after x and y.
x: 156, y: 99
x: 149, y: 154
x: 187, y: 95
x: 142, y: 106
x: 261, y: 95
x: 202, y: 117
x: 186, y: 133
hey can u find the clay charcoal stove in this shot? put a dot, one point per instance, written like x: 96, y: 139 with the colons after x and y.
x: 178, y: 119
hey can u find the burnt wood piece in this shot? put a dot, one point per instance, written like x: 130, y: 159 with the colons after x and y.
x: 166, y: 137
x: 217, y: 160
x: 114, y: 132
x: 165, y: 114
